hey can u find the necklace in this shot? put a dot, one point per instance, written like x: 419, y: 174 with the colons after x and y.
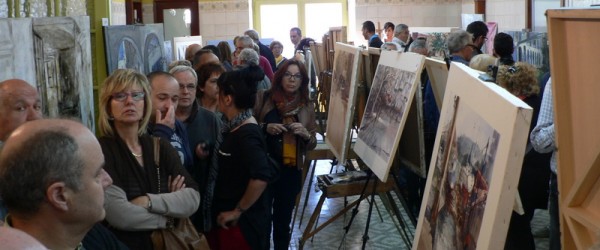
x: 136, y: 155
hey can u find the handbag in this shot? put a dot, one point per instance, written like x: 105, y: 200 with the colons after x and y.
x: 180, y: 233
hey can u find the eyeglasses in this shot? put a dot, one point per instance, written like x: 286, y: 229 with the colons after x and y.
x: 189, y: 87
x: 122, y: 96
x: 289, y: 76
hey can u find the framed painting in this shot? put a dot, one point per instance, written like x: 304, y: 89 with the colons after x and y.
x: 342, y: 100
x: 577, y: 118
x: 139, y: 47
x: 180, y: 44
x: 438, y: 76
x: 479, y: 147
x: 387, y: 109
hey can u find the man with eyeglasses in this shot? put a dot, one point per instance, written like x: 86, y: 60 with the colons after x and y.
x: 203, y: 128
x: 479, y: 30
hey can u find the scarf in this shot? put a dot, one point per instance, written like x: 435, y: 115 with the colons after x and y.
x: 289, y: 108
x: 214, y: 166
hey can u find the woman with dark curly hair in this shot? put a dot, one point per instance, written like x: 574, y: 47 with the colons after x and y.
x: 520, y: 79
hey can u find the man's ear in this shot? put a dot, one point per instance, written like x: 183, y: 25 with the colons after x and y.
x: 227, y: 99
x: 58, y: 195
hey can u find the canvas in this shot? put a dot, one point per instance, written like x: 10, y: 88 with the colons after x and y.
x: 438, y: 76
x: 342, y: 99
x: 54, y: 55
x: 411, y: 148
x: 180, y: 44
x: 387, y: 108
x: 471, y: 185
x: 577, y: 119
x: 139, y: 47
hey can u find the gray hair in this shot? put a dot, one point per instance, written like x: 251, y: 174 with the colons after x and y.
x: 252, y: 34
x: 173, y: 64
x: 457, y: 40
x: 419, y: 43
x: 246, y: 41
x: 249, y: 56
x: 183, y: 68
x: 399, y: 28
x: 44, y: 158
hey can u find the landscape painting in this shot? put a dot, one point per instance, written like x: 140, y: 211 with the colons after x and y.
x: 342, y: 100
x: 387, y: 108
x: 471, y: 185
x: 135, y: 47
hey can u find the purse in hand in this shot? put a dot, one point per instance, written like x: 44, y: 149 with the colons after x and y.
x: 180, y: 233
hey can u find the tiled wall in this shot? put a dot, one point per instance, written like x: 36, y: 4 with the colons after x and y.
x: 509, y: 14
x: 415, y: 13
x: 117, y: 13
x: 223, y: 20
x: 39, y: 8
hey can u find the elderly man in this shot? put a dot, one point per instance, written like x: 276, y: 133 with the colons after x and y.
x: 52, y: 181
x: 246, y: 42
x: 19, y: 103
x: 165, y: 97
x: 203, y: 129
x: 249, y: 57
x: 295, y: 36
x: 402, y: 36
x: 264, y: 50
x: 460, y: 46
x: 368, y: 32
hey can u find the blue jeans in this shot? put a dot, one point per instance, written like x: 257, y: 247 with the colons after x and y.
x: 554, y: 214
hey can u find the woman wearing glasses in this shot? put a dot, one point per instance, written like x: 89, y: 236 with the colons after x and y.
x: 288, y: 120
x: 134, y: 204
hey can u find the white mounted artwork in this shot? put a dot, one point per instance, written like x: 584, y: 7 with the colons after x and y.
x: 387, y: 108
x: 180, y: 44
x: 438, y: 76
x: 342, y: 99
x: 472, y: 184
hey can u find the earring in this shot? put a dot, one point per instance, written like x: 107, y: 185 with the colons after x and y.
x: 110, y: 118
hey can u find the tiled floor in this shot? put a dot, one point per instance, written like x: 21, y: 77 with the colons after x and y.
x: 383, y: 233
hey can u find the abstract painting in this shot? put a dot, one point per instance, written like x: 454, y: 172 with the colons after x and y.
x: 54, y: 55
x: 387, y: 108
x: 479, y: 146
x: 139, y: 47
x: 341, y: 107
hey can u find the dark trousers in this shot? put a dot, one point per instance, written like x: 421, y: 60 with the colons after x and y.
x: 554, y: 215
x: 519, y: 236
x: 283, y: 193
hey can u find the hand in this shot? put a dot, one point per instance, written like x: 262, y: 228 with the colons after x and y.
x: 276, y: 128
x: 177, y: 183
x: 141, y: 201
x: 298, y: 129
x: 168, y: 120
x: 228, y: 218
x: 201, y: 152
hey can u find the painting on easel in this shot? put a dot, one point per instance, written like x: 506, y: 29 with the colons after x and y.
x: 480, y: 140
x: 341, y: 100
x: 387, y: 108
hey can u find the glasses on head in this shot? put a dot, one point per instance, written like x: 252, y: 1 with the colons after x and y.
x: 289, y: 76
x: 189, y: 87
x: 122, y: 96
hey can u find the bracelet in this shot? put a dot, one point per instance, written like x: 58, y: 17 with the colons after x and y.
x: 240, y: 209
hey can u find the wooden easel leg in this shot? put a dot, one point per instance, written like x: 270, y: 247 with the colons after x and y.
x: 312, y: 220
x: 308, y: 189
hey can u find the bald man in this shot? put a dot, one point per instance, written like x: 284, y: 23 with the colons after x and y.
x: 52, y: 181
x: 19, y: 103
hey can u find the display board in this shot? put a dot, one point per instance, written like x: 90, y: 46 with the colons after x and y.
x: 574, y: 56
x: 387, y: 108
x: 438, y: 76
x: 471, y: 185
x: 342, y: 99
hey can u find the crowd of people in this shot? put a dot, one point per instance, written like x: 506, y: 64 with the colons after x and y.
x: 220, y: 139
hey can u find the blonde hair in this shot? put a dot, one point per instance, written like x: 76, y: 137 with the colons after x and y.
x: 119, y: 80
x: 519, y: 79
x: 482, y: 61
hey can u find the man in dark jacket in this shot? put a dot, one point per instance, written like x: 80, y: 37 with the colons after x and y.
x: 368, y: 31
x: 264, y: 50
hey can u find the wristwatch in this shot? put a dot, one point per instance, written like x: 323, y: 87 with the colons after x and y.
x: 149, y: 203
x: 240, y: 209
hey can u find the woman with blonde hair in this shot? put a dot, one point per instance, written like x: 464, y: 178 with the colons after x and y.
x: 148, y: 193
x: 520, y: 79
